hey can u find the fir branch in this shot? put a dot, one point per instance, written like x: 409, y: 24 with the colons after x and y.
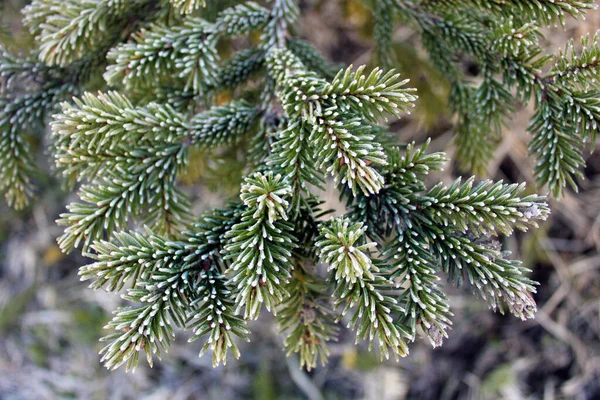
x: 461, y: 32
x: 383, y: 28
x: 550, y: 12
x: 138, y: 328
x: 188, y: 51
x: 108, y: 205
x: 339, y: 248
x: 243, y: 19
x: 261, y: 245
x: 498, y: 280
x: 494, y: 103
x: 240, y: 69
x: 208, y: 236
x: 547, y: 12
x: 294, y: 121
x: 584, y: 113
x: 188, y: 6
x: 67, y: 30
x: 474, y: 141
x: 513, y: 39
x: 374, y: 95
x: 94, y: 122
x: 423, y: 302
x: 212, y: 314
x: 404, y: 176
x: 129, y: 258
x: 475, y: 147
x: 291, y: 156
x: 19, y: 116
x: 408, y: 167
x: 556, y: 147
x: 483, y: 207
x: 577, y: 69
x: 373, y: 317
x: 308, y: 320
x: 283, y: 14
x: 347, y: 149
x: 162, y: 287
x: 223, y: 125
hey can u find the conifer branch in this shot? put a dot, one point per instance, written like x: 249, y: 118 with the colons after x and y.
x: 347, y: 259
x: 308, y: 320
x: 283, y: 14
x: 161, y: 285
x: 213, y: 315
x: 294, y: 120
x: 223, y: 125
x: 18, y: 117
x: 188, y: 6
x: 557, y: 149
x: 189, y: 51
x: 483, y: 207
x: 240, y: 68
x: 243, y: 19
x: 423, y: 302
x: 373, y: 95
x: 498, y: 280
x: 67, y: 30
x: 373, y: 316
x: 580, y: 69
x: 291, y: 157
x: 260, y: 245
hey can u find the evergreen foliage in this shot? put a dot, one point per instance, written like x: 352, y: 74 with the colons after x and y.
x: 170, y: 69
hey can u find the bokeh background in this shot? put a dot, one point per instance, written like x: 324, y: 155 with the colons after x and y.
x: 50, y: 322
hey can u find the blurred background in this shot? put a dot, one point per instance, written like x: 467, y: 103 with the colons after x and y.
x: 50, y: 322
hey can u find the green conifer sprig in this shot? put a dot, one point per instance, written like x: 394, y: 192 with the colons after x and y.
x: 143, y: 164
x: 294, y: 121
x: 213, y: 314
x: 547, y: 12
x: 348, y: 259
x: 141, y: 328
x: 585, y: 114
x: 308, y: 320
x: 498, y: 280
x: 484, y: 207
x: 291, y: 156
x: 18, y: 116
x: 189, y: 51
x: 188, y: 6
x: 575, y: 67
x: 176, y: 282
x: 344, y: 145
x: 243, y: 18
x: 423, y: 301
x: 240, y: 68
x: 260, y: 245
x: 223, y: 125
x: 559, y: 151
x: 67, y: 30
x: 404, y: 176
x: 284, y: 14
x: 157, y: 284
x: 355, y: 286
x: 502, y: 39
